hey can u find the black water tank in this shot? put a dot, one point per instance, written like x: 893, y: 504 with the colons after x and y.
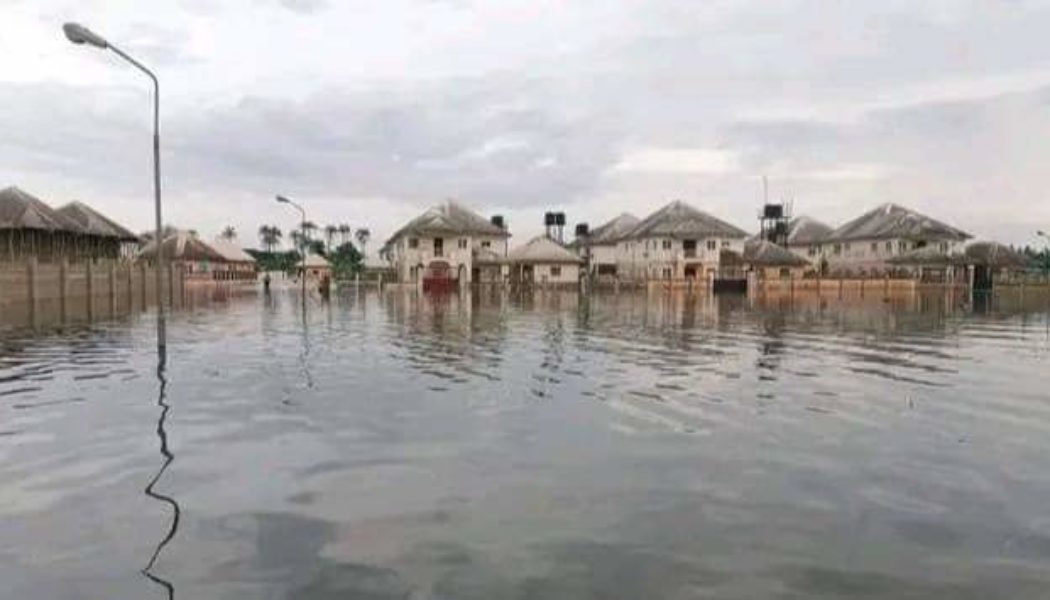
x: 548, y: 219
x: 497, y: 220
x: 773, y: 211
x: 582, y: 230
x: 559, y: 219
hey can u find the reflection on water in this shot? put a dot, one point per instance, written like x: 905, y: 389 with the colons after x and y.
x: 165, y: 452
x: 545, y: 445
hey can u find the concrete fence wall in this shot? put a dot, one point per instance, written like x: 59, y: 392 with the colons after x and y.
x: 32, y: 292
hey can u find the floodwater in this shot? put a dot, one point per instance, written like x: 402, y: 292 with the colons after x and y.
x: 539, y: 447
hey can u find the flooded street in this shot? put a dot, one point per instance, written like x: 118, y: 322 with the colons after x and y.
x: 538, y: 447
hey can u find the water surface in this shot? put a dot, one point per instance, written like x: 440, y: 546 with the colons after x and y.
x: 542, y: 446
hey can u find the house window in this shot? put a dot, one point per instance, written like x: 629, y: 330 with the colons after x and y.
x: 903, y: 246
x: 462, y: 243
x: 889, y: 247
x: 837, y: 249
x: 874, y: 247
x: 725, y: 243
x: 944, y: 246
x: 785, y: 273
x: 555, y: 271
x: 413, y: 242
x: 667, y: 273
x: 667, y: 245
x: 812, y: 251
x: 486, y: 244
x: 439, y: 246
x: 712, y: 245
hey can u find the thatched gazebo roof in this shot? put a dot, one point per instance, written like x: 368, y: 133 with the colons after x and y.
x: 542, y: 249
x: 21, y: 210
x: 679, y: 220
x: 91, y: 222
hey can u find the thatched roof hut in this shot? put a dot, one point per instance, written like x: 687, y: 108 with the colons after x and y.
x: 892, y: 221
x: 21, y: 210
x: 542, y: 249
x: 91, y: 222
x: 679, y: 220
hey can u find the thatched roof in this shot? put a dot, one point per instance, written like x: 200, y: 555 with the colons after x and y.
x: 612, y: 231
x: 803, y: 230
x: 682, y: 221
x: 542, y: 249
x: 231, y: 251
x: 450, y: 218
x: 182, y: 246
x: 21, y: 210
x: 994, y: 254
x: 895, y: 221
x: 763, y: 253
x: 92, y: 222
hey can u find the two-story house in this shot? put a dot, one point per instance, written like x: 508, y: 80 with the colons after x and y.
x: 598, y: 247
x: 442, y: 245
x: 677, y: 242
x: 864, y: 245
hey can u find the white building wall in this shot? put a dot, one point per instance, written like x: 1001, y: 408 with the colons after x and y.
x: 561, y: 273
x: 651, y: 258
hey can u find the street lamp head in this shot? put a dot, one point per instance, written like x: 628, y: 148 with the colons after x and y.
x: 78, y: 34
x: 283, y: 200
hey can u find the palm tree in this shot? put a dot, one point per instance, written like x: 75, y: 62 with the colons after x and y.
x: 270, y: 236
x: 344, y: 232
x: 330, y: 232
x: 298, y: 240
x: 228, y: 233
x: 363, y: 234
x: 309, y: 227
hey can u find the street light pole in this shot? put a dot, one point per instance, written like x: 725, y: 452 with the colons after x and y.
x: 78, y: 34
x: 302, y: 229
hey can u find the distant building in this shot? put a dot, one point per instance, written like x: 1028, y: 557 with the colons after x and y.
x: 31, y: 228
x: 598, y: 247
x: 676, y: 242
x: 198, y: 260
x: 238, y: 265
x: 544, y: 261
x: 805, y: 236
x: 317, y: 267
x: 865, y: 244
x: 767, y: 260
x: 442, y: 243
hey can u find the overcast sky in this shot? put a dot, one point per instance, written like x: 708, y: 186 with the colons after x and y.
x: 369, y: 112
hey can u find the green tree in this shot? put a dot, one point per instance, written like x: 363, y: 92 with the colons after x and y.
x: 270, y: 236
x: 228, y: 233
